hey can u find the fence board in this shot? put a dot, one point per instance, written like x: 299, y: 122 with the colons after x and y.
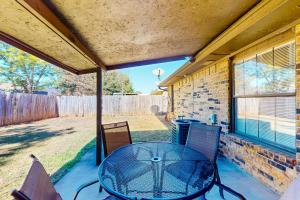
x: 112, y: 105
x: 19, y: 108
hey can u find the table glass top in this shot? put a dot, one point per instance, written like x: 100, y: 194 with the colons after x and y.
x: 156, y: 171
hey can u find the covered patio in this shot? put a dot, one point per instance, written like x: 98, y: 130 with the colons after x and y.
x: 231, y: 175
x: 91, y: 36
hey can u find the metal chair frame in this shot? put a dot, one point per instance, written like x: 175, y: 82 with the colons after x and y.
x: 216, y: 179
x: 19, y: 195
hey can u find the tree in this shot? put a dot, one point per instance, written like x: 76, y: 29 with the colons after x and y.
x: 116, y: 82
x: 72, y: 84
x: 113, y: 82
x: 24, y: 71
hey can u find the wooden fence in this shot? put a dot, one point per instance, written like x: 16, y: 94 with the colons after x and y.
x: 112, y: 105
x: 76, y: 105
x: 19, y: 108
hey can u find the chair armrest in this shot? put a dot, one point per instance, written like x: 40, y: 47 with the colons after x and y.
x: 84, y: 186
x: 231, y: 191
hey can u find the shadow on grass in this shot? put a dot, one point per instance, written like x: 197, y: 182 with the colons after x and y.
x: 137, y: 136
x: 55, y: 177
x: 17, y: 139
x: 151, y: 135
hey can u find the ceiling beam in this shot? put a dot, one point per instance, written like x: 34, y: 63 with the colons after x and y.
x: 21, y: 45
x: 135, y: 64
x: 88, y: 71
x: 47, y: 16
x: 147, y: 62
x: 260, y: 11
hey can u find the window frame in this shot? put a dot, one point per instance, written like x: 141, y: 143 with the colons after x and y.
x: 258, y: 140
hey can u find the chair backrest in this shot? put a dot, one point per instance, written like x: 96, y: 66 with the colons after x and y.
x: 205, y: 139
x: 37, y: 185
x: 114, y: 136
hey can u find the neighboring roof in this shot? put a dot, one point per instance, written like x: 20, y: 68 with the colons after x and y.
x: 267, y: 19
x: 83, y: 35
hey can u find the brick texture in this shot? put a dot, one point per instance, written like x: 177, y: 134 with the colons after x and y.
x: 203, y: 93
x: 272, y: 168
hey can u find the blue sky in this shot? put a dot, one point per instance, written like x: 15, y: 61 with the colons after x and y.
x: 143, y: 79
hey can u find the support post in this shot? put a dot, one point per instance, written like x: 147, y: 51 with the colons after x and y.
x: 99, y: 117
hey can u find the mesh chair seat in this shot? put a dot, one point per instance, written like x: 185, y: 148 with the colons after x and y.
x: 194, y: 173
x: 140, y: 168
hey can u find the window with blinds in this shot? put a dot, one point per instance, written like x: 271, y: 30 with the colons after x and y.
x: 264, y: 96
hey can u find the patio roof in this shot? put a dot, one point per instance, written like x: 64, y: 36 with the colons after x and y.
x: 83, y: 35
x: 261, y: 23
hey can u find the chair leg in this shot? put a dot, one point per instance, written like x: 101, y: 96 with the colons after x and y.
x: 219, y: 182
x: 100, y: 188
x: 84, y: 186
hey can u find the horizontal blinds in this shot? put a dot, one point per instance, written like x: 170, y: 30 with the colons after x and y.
x: 250, y: 77
x: 268, y: 73
x: 285, y: 55
x: 267, y: 118
x: 285, y: 121
x: 271, y: 74
x: 284, y: 68
x: 240, y: 115
x: 265, y: 58
x: 239, y: 79
x: 252, y: 105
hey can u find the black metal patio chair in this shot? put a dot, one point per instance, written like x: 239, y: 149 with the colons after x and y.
x: 37, y: 185
x: 205, y: 139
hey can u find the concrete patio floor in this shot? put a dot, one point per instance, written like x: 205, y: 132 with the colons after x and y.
x: 231, y: 175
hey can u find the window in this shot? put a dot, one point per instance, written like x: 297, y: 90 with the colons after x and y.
x: 264, y: 96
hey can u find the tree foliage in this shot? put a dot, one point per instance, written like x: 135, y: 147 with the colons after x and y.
x: 116, y: 82
x: 24, y: 71
x: 113, y: 82
x: 28, y: 73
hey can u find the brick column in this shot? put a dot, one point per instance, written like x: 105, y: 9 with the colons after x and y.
x: 297, y: 31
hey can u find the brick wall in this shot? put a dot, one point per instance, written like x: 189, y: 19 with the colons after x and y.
x: 297, y: 32
x: 207, y: 91
x: 273, y: 168
x: 203, y: 93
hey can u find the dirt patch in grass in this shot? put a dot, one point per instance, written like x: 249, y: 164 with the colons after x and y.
x: 61, y: 142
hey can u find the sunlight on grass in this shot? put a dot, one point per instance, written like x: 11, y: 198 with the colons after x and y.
x: 60, y: 143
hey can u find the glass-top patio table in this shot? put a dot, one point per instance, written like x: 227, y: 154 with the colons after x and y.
x: 156, y: 170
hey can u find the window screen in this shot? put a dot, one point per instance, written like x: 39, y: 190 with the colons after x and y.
x: 265, y: 96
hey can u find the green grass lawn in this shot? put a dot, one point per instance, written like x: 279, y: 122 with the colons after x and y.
x: 59, y: 143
